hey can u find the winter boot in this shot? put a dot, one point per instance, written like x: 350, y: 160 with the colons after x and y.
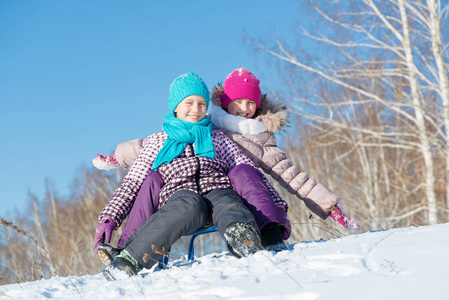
x: 272, y: 240
x: 122, y: 267
x: 242, y: 239
x: 107, y: 253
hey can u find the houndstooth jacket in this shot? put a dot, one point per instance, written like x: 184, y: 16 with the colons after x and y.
x: 186, y: 172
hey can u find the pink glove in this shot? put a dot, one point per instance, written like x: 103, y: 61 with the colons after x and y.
x: 104, y: 231
x: 105, y: 162
x: 343, y: 219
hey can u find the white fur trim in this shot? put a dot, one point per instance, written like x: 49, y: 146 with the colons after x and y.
x: 102, y: 165
x: 225, y: 120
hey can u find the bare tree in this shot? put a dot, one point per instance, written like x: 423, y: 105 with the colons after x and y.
x: 386, y: 56
x: 433, y: 19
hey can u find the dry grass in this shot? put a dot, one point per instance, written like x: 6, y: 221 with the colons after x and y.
x: 56, y: 236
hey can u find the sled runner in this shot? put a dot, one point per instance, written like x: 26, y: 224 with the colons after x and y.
x: 190, y: 254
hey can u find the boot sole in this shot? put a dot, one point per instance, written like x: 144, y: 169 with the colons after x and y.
x: 120, y: 269
x: 105, y: 259
x: 243, y: 241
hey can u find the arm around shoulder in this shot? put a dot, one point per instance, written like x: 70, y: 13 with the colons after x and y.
x: 126, y: 152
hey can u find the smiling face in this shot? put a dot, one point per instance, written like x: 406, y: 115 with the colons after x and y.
x: 192, y: 109
x: 242, y: 107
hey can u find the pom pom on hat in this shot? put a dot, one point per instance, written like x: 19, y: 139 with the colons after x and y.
x: 241, y: 84
x: 184, y: 86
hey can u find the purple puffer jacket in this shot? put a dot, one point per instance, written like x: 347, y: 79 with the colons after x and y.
x: 186, y: 172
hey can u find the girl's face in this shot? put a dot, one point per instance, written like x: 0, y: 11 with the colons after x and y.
x: 192, y: 109
x: 242, y: 107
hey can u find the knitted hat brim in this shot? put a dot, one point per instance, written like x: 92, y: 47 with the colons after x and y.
x: 241, y: 91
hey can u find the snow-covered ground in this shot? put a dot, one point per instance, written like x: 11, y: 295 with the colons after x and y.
x: 407, y: 263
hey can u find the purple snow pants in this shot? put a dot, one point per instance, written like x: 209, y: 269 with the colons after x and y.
x: 146, y: 204
x: 245, y: 180
x: 248, y: 183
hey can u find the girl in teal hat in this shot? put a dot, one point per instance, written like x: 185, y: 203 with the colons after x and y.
x: 194, y: 161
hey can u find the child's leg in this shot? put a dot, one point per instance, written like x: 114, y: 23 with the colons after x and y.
x: 183, y: 213
x: 248, y: 183
x: 227, y: 207
x: 146, y: 204
x: 234, y: 222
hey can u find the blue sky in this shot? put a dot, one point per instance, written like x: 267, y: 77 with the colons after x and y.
x: 78, y: 77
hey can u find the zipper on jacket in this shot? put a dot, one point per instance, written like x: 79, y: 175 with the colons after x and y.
x: 197, y: 172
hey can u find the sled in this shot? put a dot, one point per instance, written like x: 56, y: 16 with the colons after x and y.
x: 191, y: 252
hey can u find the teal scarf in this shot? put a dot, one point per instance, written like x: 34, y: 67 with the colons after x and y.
x: 180, y: 134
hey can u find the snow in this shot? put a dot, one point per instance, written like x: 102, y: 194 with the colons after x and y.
x: 405, y: 263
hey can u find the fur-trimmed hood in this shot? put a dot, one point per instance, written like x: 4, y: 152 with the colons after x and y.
x: 271, y: 113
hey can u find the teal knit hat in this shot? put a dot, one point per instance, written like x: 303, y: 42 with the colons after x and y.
x: 184, y: 86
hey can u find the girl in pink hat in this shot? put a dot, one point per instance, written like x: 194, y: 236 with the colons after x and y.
x: 196, y: 161
x: 250, y: 119
x: 241, y: 111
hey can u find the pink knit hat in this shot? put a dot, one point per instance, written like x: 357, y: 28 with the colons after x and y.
x: 241, y: 84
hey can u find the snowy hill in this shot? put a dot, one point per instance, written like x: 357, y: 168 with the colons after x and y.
x: 408, y: 263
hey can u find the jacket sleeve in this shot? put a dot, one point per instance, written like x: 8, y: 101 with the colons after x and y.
x: 123, y: 199
x: 126, y: 152
x: 272, y: 160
